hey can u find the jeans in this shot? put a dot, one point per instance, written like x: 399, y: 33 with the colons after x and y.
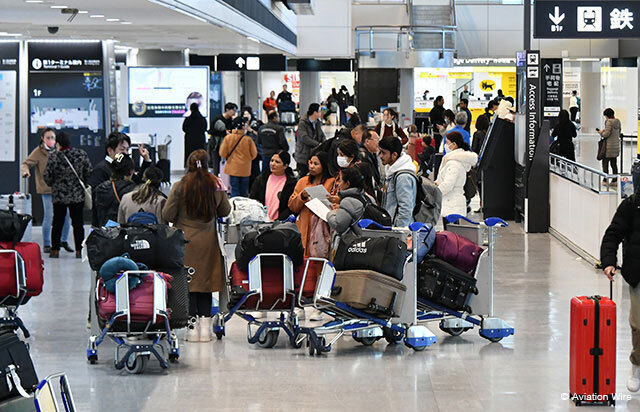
x: 200, y: 303
x: 613, y: 161
x: 47, y: 219
x: 265, y: 163
x: 59, y: 214
x: 239, y: 186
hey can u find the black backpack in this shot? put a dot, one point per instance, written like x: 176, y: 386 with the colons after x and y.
x: 374, y: 212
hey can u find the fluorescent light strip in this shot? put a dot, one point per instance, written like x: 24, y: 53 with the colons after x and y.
x: 113, y: 19
x: 63, y: 41
x: 125, y: 22
x: 83, y: 12
x: 96, y: 16
x: 253, y: 39
x: 34, y: 1
x: 58, y: 7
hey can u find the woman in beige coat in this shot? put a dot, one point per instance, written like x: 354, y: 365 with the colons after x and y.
x: 145, y: 198
x: 194, y: 205
x: 611, y: 132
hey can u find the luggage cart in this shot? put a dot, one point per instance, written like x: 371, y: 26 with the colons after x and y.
x: 155, y: 340
x: 455, y: 322
x: 46, y: 397
x: 11, y: 303
x: 364, y: 327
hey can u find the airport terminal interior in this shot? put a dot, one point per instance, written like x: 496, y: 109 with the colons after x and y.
x: 323, y: 205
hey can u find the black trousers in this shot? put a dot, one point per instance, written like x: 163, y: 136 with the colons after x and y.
x: 75, y: 213
x: 214, y: 156
x: 574, y: 113
x: 438, y: 138
x: 605, y: 166
x: 200, y: 304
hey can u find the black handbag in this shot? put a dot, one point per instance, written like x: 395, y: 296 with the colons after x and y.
x: 384, y: 255
x: 470, y: 186
x: 602, y: 149
x: 12, y: 226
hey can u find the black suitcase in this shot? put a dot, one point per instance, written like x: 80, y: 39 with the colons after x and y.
x: 442, y: 283
x: 384, y: 255
x: 15, y: 361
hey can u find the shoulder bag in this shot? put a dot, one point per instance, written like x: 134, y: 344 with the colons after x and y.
x: 88, y: 203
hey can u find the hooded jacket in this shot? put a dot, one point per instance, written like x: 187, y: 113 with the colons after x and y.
x: 400, y: 191
x: 308, y: 138
x: 451, y: 179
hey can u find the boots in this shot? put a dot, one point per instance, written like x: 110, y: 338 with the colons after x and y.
x: 193, y: 330
x: 205, y: 328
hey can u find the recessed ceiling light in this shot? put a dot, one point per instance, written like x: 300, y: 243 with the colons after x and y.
x: 113, y: 19
x: 5, y: 34
x: 58, y: 7
x: 83, y: 12
x: 96, y: 16
x: 125, y: 22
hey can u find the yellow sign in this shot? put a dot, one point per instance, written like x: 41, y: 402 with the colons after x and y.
x: 424, y: 75
x: 460, y: 75
x: 488, y: 85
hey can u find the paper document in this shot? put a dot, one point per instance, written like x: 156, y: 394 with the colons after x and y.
x: 319, y: 192
x: 317, y: 207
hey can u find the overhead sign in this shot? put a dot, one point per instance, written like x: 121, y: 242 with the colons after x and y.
x: 586, y: 19
x: 251, y: 62
x: 532, y: 109
x: 551, y: 87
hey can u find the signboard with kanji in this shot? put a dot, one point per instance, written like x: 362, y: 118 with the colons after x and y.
x: 586, y: 19
x: 551, y: 87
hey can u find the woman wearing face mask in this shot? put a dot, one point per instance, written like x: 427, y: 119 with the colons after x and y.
x: 351, y: 206
x: 449, y: 122
x: 314, y: 231
x: 453, y: 175
x: 38, y: 160
x: 274, y: 188
x: 347, y: 157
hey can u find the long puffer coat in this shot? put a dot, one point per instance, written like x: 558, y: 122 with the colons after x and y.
x: 451, y: 179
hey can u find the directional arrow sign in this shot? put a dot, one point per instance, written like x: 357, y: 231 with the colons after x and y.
x: 546, y: 67
x: 557, y: 18
x: 240, y: 61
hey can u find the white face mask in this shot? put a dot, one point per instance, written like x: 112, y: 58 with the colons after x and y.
x: 343, y: 161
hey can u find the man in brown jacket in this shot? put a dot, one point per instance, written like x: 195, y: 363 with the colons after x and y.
x: 38, y: 160
x: 239, y: 150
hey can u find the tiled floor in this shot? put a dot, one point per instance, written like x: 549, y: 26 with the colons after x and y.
x: 535, y: 278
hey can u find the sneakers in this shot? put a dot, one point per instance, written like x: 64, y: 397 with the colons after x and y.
x: 193, y: 331
x: 205, y: 328
x: 633, y: 383
x: 66, y: 247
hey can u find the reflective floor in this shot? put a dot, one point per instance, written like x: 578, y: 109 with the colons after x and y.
x: 535, y: 279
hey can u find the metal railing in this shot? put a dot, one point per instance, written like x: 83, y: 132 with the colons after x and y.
x: 582, y: 175
x: 401, y: 38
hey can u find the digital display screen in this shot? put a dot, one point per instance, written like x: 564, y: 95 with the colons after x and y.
x: 168, y: 91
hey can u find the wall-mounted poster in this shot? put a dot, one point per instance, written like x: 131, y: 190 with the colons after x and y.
x: 9, y: 130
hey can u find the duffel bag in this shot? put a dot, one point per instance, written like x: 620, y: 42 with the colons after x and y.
x: 22, y: 378
x: 384, y: 255
x: 33, y: 264
x: 12, y: 226
x: 457, y: 250
x: 154, y: 245
x: 140, y: 300
x: 281, y: 237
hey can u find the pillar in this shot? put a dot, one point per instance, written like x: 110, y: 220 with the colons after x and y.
x: 405, y: 116
x: 309, y: 90
x: 590, y: 97
x: 252, y: 91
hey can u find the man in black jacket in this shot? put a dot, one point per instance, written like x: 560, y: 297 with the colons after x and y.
x: 271, y: 138
x: 436, y: 117
x: 220, y: 127
x: 117, y: 143
x: 625, y: 227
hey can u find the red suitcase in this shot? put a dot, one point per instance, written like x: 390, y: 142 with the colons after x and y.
x: 140, y: 300
x: 34, y: 266
x: 592, y: 373
x: 272, y: 282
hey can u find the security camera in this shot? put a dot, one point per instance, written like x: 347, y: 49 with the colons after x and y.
x: 53, y: 29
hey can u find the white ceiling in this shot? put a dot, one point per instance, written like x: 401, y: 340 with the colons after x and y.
x: 153, y: 26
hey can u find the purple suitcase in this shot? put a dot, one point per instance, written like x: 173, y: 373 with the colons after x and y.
x: 457, y: 250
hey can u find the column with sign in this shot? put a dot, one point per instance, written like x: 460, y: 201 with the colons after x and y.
x: 551, y: 89
x: 9, y: 136
x: 532, y: 102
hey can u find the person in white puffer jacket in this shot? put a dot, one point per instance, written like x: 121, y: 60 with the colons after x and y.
x: 453, y: 174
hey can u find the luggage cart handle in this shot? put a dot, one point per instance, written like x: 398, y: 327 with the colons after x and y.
x: 454, y: 217
x: 495, y: 221
x: 419, y: 226
x: 365, y: 223
x: 21, y: 273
